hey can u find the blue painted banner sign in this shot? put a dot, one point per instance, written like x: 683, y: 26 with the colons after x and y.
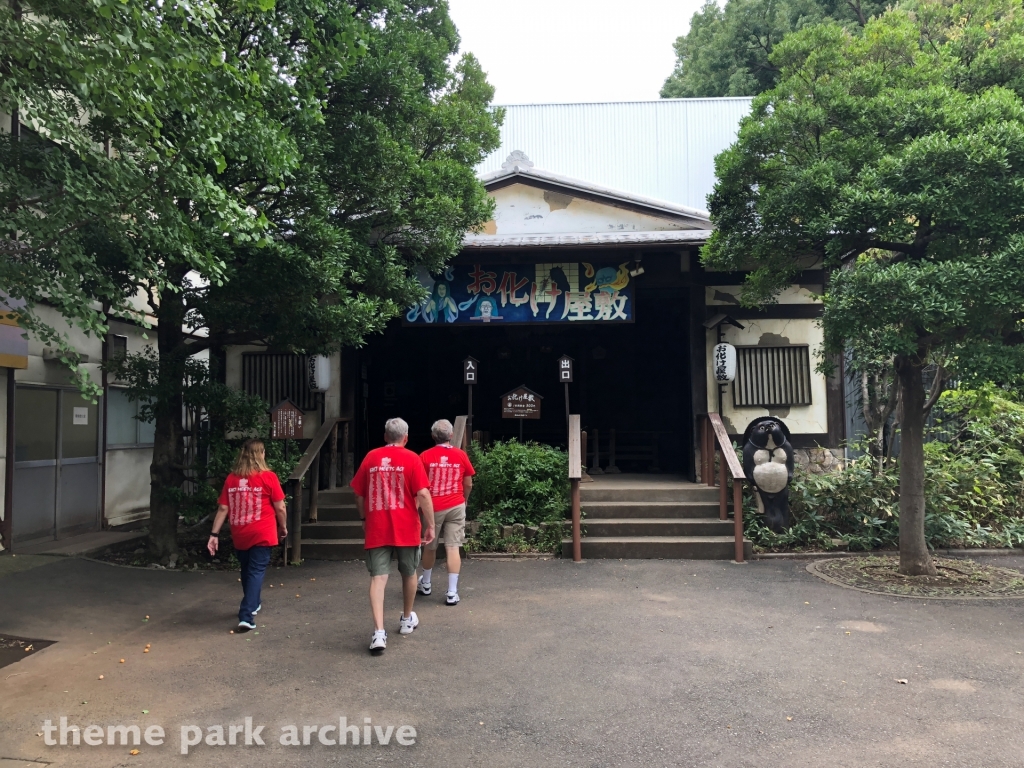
x: 564, y: 292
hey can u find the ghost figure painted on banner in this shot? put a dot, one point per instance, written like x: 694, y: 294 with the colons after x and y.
x: 486, y: 310
x: 441, y: 307
x: 608, y: 279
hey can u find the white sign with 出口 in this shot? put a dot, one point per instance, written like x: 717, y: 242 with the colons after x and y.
x: 80, y: 417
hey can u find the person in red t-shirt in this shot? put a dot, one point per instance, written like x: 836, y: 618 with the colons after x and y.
x: 253, y: 504
x: 451, y: 480
x: 389, y: 486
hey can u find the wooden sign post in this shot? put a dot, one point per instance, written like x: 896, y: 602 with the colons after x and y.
x: 521, y: 403
x: 470, y: 371
x: 565, y: 376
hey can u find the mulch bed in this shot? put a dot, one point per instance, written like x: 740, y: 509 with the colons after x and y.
x: 956, y: 579
x: 192, y: 554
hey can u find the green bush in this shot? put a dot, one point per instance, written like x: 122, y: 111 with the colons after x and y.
x: 519, y: 483
x: 974, y: 487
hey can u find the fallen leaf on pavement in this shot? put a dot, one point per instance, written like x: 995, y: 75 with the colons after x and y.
x: 902, y: 681
x: 789, y: 718
x: 134, y: 752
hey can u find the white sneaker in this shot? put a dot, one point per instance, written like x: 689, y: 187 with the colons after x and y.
x: 407, y: 624
x: 379, y: 641
x: 452, y: 598
x: 423, y: 589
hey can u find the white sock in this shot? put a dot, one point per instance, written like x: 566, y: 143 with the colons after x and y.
x: 378, y: 632
x: 426, y: 575
x: 453, y: 583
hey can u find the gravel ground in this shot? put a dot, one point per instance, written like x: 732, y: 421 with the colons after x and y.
x: 544, y: 663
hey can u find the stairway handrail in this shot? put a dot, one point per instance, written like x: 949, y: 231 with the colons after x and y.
x: 718, y: 437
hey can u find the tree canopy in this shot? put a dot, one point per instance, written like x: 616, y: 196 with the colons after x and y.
x: 895, y: 160
x: 727, y: 50
x: 310, y: 158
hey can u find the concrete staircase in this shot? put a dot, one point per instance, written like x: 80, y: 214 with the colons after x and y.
x: 651, y: 516
x: 337, y: 534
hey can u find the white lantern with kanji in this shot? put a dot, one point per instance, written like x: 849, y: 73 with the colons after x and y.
x: 723, y: 363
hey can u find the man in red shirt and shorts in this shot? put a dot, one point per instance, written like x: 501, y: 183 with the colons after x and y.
x: 451, y: 480
x: 389, y: 485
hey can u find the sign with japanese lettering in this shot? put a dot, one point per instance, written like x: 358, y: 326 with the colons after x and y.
x: 565, y: 369
x: 723, y: 362
x: 285, y: 421
x: 564, y: 292
x: 520, y: 403
x: 470, y: 368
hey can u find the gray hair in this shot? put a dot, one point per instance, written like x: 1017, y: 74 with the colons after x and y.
x: 442, y: 431
x: 395, y: 430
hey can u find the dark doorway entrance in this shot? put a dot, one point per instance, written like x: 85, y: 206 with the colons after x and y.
x: 634, y: 378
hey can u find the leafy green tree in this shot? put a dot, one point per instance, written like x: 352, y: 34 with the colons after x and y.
x: 727, y: 51
x: 373, y: 180
x: 895, y: 159
x: 97, y: 158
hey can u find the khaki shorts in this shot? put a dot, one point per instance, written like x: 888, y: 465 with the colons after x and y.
x: 449, y: 524
x: 378, y: 560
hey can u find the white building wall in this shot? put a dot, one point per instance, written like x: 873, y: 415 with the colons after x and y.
x: 524, y: 210
x: 811, y: 418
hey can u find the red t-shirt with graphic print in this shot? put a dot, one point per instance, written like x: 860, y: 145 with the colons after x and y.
x: 446, y: 467
x: 250, y: 509
x: 389, y: 479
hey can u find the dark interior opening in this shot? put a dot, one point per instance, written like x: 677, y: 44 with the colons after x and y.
x: 634, y: 378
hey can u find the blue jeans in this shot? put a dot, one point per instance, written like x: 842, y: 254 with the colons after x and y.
x: 254, y: 564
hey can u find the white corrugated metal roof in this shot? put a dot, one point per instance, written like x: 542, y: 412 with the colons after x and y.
x: 662, y: 149
x: 577, y: 239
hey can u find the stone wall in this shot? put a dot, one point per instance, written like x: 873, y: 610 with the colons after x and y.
x: 818, y: 461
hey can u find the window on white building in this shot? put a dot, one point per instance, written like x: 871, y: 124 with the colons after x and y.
x: 124, y: 429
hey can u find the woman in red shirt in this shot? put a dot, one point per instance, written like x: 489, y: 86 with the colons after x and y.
x: 253, y: 503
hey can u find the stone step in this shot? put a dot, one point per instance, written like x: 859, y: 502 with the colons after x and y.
x: 667, y: 547
x: 344, y: 529
x: 679, y: 493
x: 332, y: 549
x: 649, y: 509
x: 638, y: 526
x: 336, y: 512
x: 337, y: 496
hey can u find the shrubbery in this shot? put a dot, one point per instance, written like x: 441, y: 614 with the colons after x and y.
x: 974, y: 486
x: 523, y: 483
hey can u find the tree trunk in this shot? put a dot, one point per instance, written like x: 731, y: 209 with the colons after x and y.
x: 166, y: 476
x: 915, y: 559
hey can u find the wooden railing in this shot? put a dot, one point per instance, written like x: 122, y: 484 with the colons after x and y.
x: 714, y: 437
x: 326, y: 436
x: 575, y: 474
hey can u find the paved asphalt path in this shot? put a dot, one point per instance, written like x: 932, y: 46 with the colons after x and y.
x: 544, y: 663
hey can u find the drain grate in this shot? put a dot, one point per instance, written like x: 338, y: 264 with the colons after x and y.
x: 14, y: 649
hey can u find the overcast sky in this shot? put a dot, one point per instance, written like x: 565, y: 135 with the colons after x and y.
x: 537, y: 51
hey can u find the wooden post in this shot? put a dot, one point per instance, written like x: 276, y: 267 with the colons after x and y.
x: 575, y: 473
x: 332, y: 472
x: 296, y: 523
x: 711, y: 453
x: 723, y: 491
x: 703, y: 445
x: 596, y: 470
x: 583, y: 448
x: 347, y: 469
x: 314, y: 486
x: 737, y: 513
x: 611, y: 469
x: 567, y: 402
x: 469, y: 417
